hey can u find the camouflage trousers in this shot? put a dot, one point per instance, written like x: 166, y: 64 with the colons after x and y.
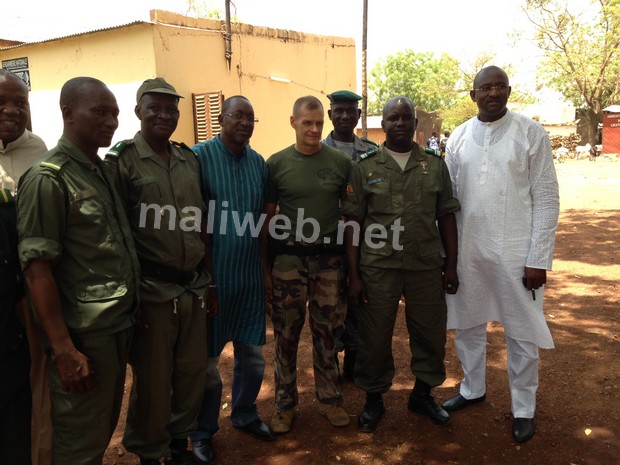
x: 311, y: 282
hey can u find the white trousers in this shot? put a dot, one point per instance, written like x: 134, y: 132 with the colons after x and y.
x: 522, y: 361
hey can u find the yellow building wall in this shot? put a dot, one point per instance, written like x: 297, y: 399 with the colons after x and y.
x: 194, y: 59
x: 190, y: 54
x: 119, y: 57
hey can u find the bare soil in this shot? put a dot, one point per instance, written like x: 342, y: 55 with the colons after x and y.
x: 578, y: 412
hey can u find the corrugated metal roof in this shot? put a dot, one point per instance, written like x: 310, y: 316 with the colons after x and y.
x: 51, y: 39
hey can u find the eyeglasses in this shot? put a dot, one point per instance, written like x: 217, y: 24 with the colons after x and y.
x: 239, y: 116
x: 497, y: 87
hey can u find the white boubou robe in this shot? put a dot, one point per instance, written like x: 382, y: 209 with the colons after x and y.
x: 503, y: 176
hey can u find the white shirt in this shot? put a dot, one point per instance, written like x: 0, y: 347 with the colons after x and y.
x: 503, y: 176
x: 18, y: 156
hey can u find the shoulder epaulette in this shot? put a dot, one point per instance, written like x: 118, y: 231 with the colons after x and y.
x: 47, y: 164
x: 370, y: 141
x: 369, y: 154
x: 431, y: 151
x: 118, y: 148
x: 183, y: 145
x: 5, y: 196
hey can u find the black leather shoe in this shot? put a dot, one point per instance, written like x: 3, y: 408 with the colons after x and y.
x: 459, y: 402
x: 426, y: 406
x: 203, y: 451
x: 368, y: 420
x: 259, y: 430
x: 523, y: 429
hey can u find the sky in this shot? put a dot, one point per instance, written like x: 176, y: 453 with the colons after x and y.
x: 459, y: 28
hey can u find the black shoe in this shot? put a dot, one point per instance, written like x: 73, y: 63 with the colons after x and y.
x: 259, y: 430
x: 177, y: 459
x: 426, y: 406
x: 374, y: 408
x: 203, y: 451
x: 523, y: 429
x: 459, y: 402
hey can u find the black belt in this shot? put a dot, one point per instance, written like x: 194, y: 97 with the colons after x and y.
x: 281, y: 248
x: 167, y: 273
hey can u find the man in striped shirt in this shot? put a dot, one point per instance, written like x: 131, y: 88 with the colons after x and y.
x: 233, y: 180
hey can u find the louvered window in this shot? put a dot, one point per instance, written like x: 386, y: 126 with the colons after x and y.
x: 207, y: 107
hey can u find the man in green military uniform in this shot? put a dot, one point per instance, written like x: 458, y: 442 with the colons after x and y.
x: 400, y: 195
x: 82, y: 273
x: 344, y: 113
x: 306, y: 182
x: 160, y: 186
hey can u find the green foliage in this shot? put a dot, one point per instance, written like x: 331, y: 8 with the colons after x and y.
x: 581, y: 48
x: 205, y: 9
x: 429, y: 82
x: 462, y: 110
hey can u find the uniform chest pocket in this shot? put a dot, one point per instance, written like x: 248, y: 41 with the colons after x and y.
x: 147, y: 189
x: 379, y: 191
x: 87, y: 205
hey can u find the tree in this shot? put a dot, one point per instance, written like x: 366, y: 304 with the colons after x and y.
x: 204, y: 9
x: 581, y: 53
x: 428, y: 81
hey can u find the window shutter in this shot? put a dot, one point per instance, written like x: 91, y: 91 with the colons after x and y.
x: 207, y: 107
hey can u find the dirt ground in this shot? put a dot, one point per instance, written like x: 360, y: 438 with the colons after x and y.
x: 578, y: 411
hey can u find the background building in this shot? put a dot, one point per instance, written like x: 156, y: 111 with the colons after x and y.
x: 272, y: 67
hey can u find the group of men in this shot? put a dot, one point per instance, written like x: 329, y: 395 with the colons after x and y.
x: 139, y: 259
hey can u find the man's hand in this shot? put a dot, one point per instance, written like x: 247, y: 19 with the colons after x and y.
x: 357, y: 293
x: 76, y: 374
x: 450, y: 281
x: 534, y: 278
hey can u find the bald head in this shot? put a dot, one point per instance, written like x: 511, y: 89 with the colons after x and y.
x: 77, y: 89
x: 90, y: 114
x: 399, y: 123
x: 495, y: 70
x: 6, y: 75
x: 400, y: 100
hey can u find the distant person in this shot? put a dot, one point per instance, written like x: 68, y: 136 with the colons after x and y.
x: 306, y: 183
x: 344, y: 114
x: 502, y: 169
x: 169, y: 348
x: 82, y: 273
x: 443, y: 142
x: 233, y: 182
x: 433, y: 142
x: 19, y: 150
x: 403, y: 195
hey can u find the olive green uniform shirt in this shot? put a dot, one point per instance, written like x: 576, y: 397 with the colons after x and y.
x: 308, y: 189
x: 70, y: 215
x: 380, y: 192
x: 168, y: 233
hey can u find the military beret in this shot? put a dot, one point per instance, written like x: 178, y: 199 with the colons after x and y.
x: 156, y: 85
x: 343, y: 96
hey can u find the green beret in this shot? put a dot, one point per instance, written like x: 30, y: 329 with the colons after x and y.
x: 156, y: 85
x: 343, y: 96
